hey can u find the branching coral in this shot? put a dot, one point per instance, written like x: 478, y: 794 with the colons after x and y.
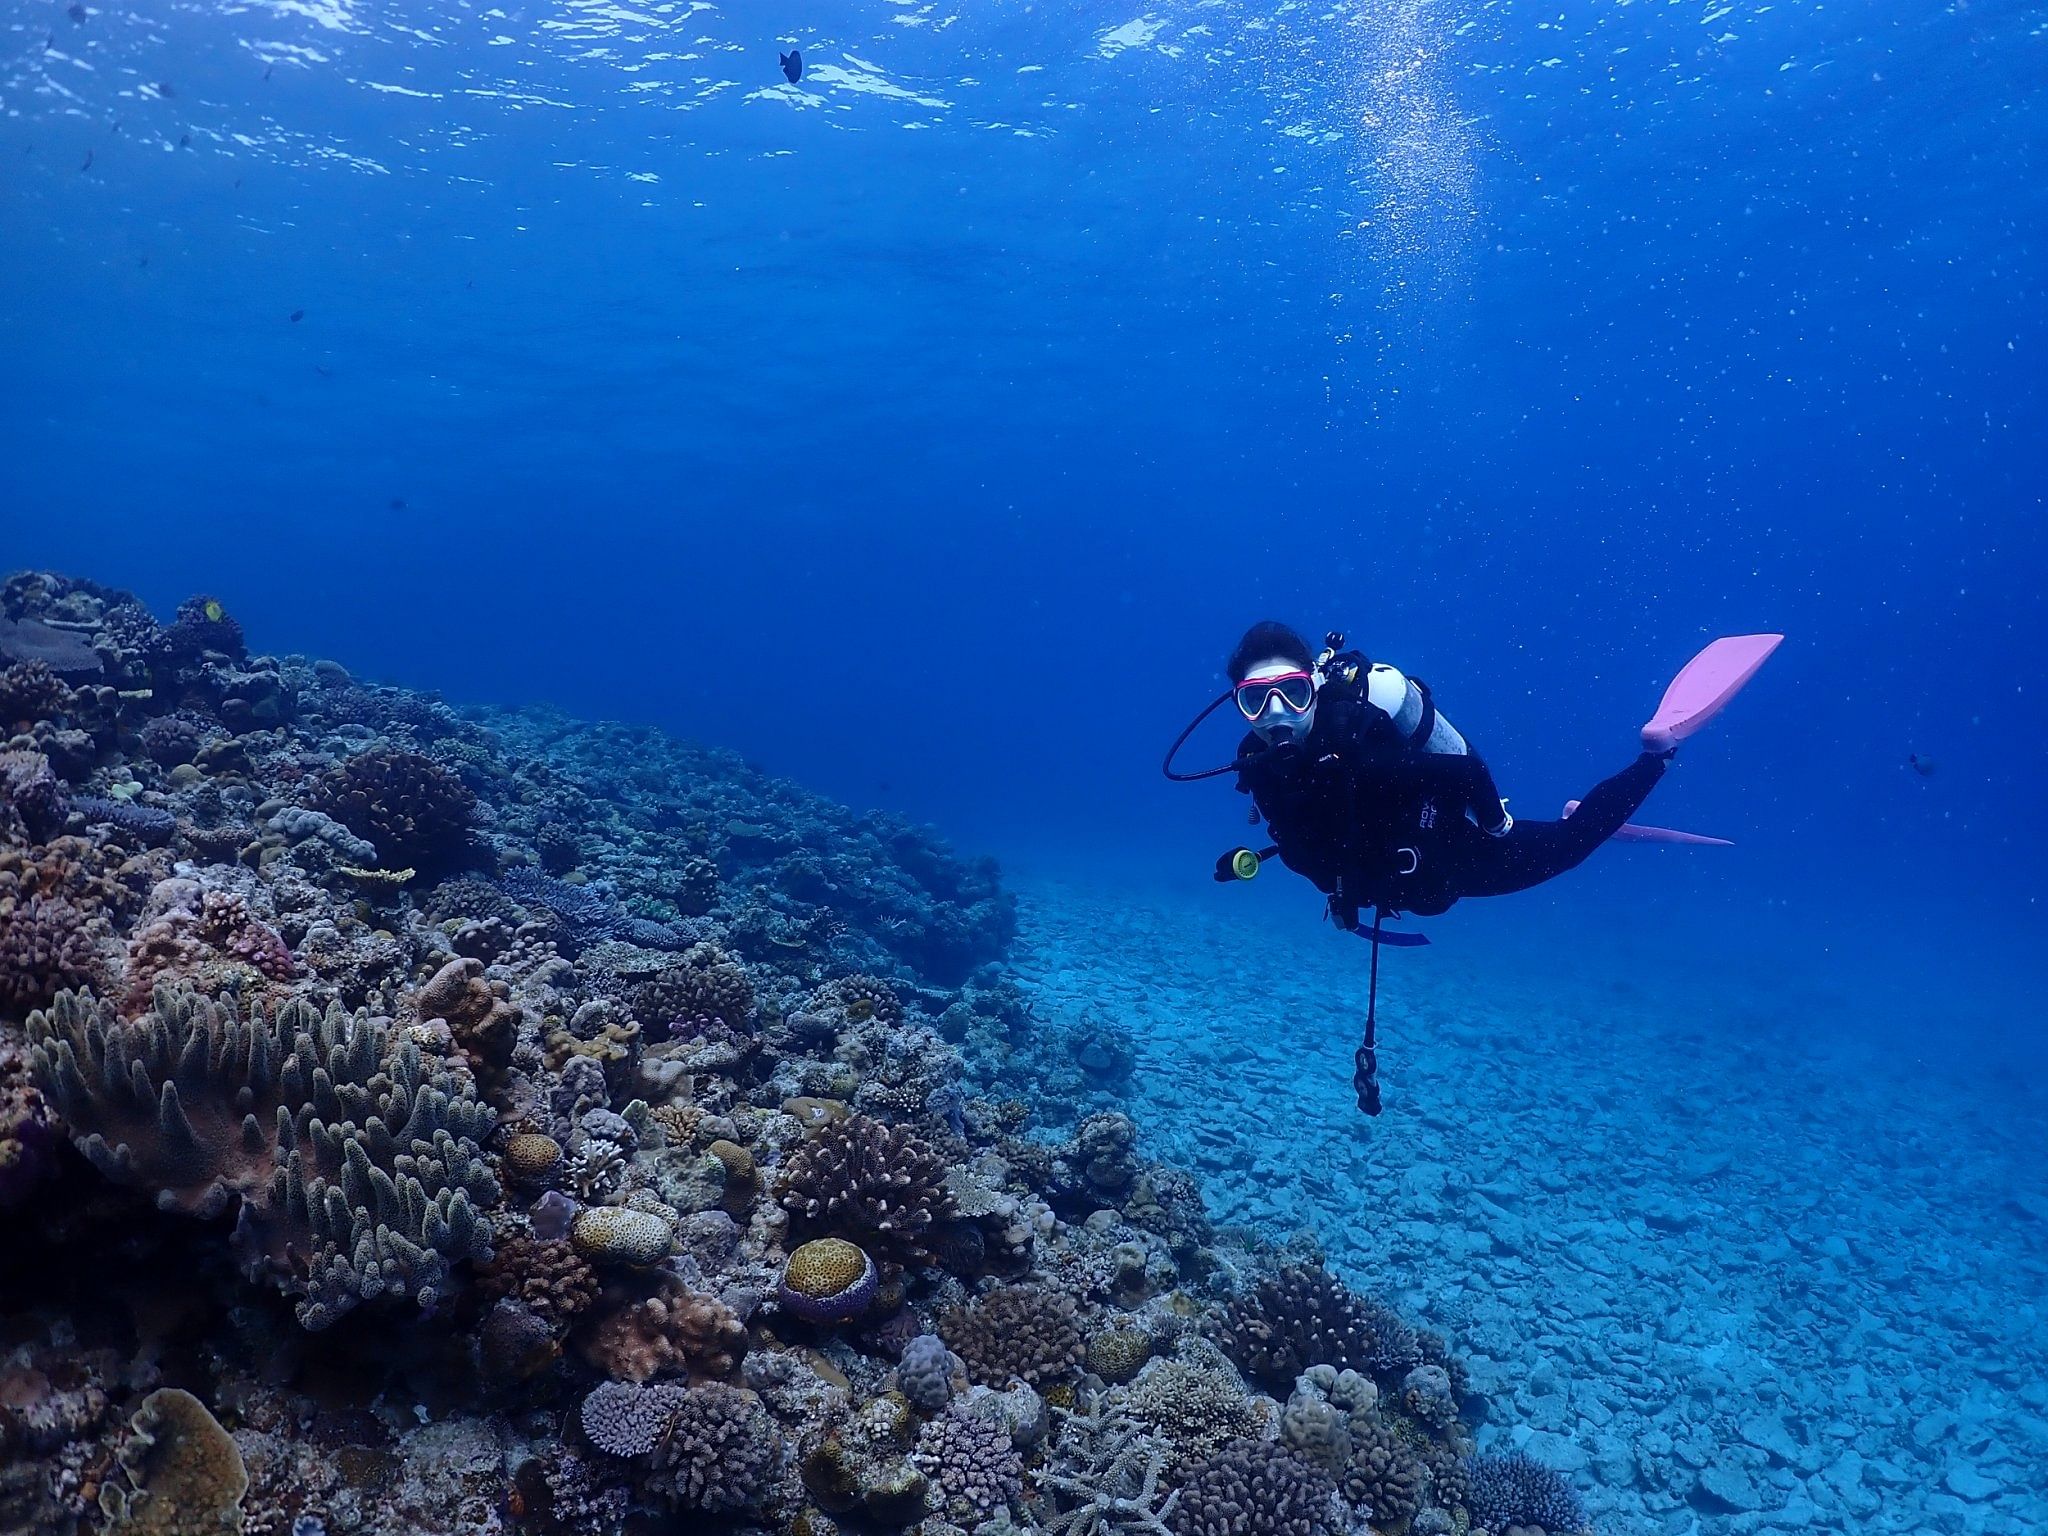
x: 1018, y: 1332
x: 413, y: 810
x: 545, y: 1274
x: 355, y: 1162
x: 1194, y: 1400
x: 1302, y: 1316
x: 719, y: 1453
x: 1518, y: 1490
x: 1253, y: 1488
x: 674, y: 1333
x: 879, y: 1185
x: 969, y: 1463
x: 706, y: 984
x: 1103, y: 1474
x: 46, y: 946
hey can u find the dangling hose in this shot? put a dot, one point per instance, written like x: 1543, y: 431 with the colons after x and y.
x: 1366, y: 1078
x: 1181, y: 740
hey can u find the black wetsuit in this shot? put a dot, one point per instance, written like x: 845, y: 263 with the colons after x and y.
x: 1374, y: 820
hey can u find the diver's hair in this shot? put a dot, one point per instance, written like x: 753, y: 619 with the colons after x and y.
x: 1264, y: 641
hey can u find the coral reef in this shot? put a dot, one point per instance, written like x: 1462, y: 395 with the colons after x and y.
x: 511, y: 1125
x: 1517, y: 1491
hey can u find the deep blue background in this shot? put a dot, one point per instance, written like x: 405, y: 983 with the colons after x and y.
x: 939, y: 465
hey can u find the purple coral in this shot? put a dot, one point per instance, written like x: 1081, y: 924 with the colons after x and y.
x: 623, y: 1418
x: 720, y: 1451
x: 970, y: 1463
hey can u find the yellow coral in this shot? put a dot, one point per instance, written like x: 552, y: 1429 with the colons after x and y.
x: 826, y: 1267
x: 532, y: 1155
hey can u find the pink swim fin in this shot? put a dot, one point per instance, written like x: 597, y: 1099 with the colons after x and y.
x: 1705, y: 685
x: 1632, y: 832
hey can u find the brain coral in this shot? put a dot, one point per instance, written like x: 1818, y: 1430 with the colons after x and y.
x: 1020, y: 1332
x: 356, y: 1163
x: 881, y: 1185
x: 413, y: 810
x: 827, y: 1280
x: 1252, y: 1488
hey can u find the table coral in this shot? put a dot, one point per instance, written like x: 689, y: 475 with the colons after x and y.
x: 356, y: 1163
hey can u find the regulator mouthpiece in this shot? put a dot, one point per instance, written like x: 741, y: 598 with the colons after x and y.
x: 1244, y: 863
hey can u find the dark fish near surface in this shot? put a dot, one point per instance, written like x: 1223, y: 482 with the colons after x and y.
x: 184, y: 141
x: 88, y: 161
x: 298, y: 315
x: 398, y: 503
x: 163, y: 89
x: 793, y: 65
x: 77, y: 13
x: 1924, y: 766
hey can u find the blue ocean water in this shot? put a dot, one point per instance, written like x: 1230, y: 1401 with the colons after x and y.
x: 928, y: 429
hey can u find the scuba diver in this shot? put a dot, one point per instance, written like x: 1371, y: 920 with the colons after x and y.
x: 1376, y: 798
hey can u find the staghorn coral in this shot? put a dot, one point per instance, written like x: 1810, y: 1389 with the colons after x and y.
x: 1252, y: 1488
x: 969, y: 1464
x: 356, y: 1165
x: 719, y: 1453
x: 1103, y: 1475
x: 880, y: 1185
x: 546, y: 1275
x: 1517, y: 1490
x: 413, y: 811
x: 146, y: 825
x: 1018, y: 1332
x: 673, y: 1333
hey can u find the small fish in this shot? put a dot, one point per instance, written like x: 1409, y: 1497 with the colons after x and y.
x: 793, y: 65
x: 163, y: 89
x: 77, y: 13
x: 323, y: 370
x: 184, y: 141
x: 267, y: 69
x: 398, y: 503
x: 297, y: 315
x: 88, y: 161
x: 1924, y: 766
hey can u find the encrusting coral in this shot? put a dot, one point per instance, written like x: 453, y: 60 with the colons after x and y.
x: 356, y: 1165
